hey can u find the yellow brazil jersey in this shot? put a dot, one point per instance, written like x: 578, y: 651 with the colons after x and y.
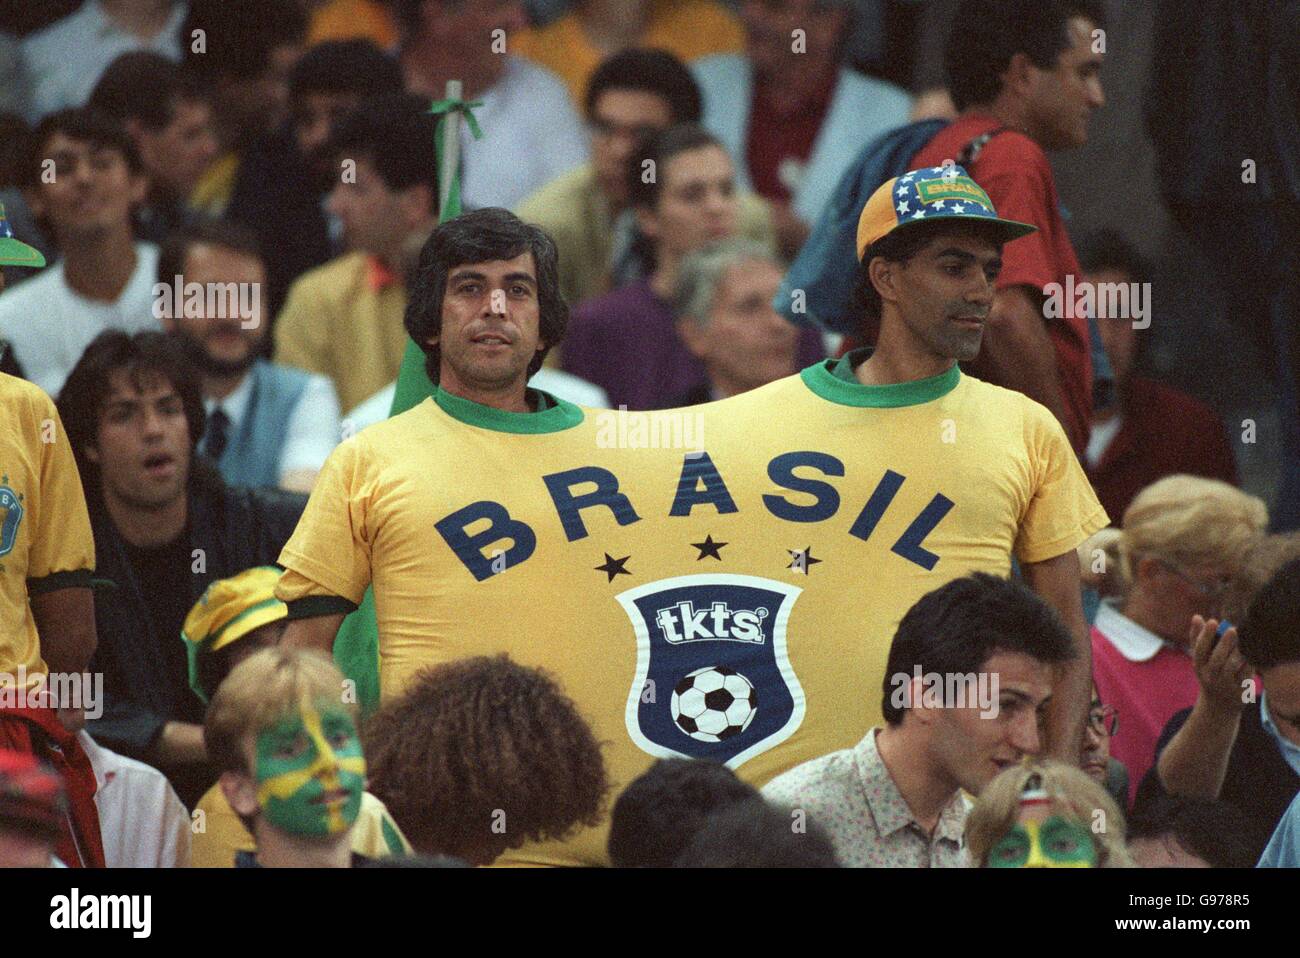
x: 45, y: 539
x: 718, y: 582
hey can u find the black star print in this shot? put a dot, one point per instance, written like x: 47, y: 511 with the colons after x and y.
x: 613, y: 567
x: 708, y: 548
x: 801, y: 560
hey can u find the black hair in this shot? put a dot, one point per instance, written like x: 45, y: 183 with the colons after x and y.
x: 957, y: 627
x: 649, y: 71
x: 1108, y: 249
x: 899, y: 247
x: 659, y: 148
x: 84, y: 125
x: 1270, y: 634
x: 89, y: 384
x: 659, y: 813
x: 1212, y: 830
x: 239, y: 35
x: 145, y: 86
x: 476, y: 237
x: 986, y: 34
x: 345, y: 66
x: 176, y: 247
x: 397, y: 134
x: 754, y: 834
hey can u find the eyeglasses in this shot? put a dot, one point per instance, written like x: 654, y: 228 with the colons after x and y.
x: 1214, y: 591
x: 1104, y: 720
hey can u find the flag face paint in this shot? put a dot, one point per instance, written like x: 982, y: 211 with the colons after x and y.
x: 1055, y: 843
x: 310, y: 772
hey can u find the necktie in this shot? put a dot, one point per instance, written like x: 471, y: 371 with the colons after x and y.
x: 217, y: 434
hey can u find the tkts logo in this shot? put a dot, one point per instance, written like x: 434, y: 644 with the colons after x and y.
x: 713, y: 678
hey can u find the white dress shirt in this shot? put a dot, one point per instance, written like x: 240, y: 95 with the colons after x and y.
x: 50, y: 325
x: 313, y: 430
x: 142, y: 822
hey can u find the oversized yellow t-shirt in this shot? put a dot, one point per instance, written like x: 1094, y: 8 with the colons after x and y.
x: 45, y: 538
x: 774, y: 566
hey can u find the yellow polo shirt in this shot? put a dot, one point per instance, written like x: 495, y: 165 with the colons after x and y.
x: 339, y: 321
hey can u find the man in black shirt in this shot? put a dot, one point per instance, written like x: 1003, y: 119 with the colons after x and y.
x: 1228, y: 745
x: 165, y: 526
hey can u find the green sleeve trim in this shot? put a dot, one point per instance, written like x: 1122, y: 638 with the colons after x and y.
x: 834, y: 380
x: 312, y: 606
x: 555, y: 417
x: 393, y: 838
x: 76, y: 579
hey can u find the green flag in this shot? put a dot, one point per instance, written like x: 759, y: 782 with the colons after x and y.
x: 356, y: 648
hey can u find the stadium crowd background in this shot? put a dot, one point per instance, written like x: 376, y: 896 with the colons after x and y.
x: 285, y: 145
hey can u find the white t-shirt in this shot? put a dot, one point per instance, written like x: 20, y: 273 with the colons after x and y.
x: 531, y: 135
x: 65, y: 60
x: 50, y: 326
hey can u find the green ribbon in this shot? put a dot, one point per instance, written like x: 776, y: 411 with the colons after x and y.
x: 441, y: 108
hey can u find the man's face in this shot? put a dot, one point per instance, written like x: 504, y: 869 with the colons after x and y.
x: 1118, y: 336
x: 310, y: 771
x: 1062, y: 99
x: 467, y: 25
x: 1096, y: 744
x: 315, y: 115
x: 697, y: 201
x: 1172, y: 594
x: 177, y: 155
x: 259, y: 104
x: 770, y: 26
x: 972, y: 747
x: 945, y: 291
x: 142, y: 443
x: 1044, y: 836
x: 491, y: 321
x: 745, y: 342
x: 370, y: 212
x: 18, y: 849
x: 1282, y: 686
x: 619, y: 120
x: 219, y: 343
x: 92, y: 192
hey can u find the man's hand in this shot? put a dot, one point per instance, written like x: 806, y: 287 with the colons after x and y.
x: 180, y: 743
x: 1221, y: 669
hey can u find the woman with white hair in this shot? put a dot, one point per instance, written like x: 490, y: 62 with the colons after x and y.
x: 1183, y: 540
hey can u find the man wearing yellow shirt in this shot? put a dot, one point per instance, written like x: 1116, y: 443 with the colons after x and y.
x: 344, y: 319
x: 47, y: 618
x: 769, y: 554
x: 574, y: 45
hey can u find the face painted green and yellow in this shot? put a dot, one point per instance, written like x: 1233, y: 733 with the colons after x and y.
x: 310, y: 772
x: 1057, y: 842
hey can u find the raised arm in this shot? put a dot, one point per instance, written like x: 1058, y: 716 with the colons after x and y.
x: 1056, y: 581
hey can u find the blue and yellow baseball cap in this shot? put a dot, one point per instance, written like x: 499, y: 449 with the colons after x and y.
x: 14, y: 252
x: 933, y: 194
x: 228, y: 611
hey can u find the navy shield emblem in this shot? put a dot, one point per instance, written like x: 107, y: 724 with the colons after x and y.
x: 11, y: 516
x: 713, y: 679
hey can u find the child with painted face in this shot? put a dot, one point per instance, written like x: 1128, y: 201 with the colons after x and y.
x: 285, y: 742
x: 1044, y: 814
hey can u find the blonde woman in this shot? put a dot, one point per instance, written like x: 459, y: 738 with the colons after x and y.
x: 1044, y: 814
x: 1183, y: 540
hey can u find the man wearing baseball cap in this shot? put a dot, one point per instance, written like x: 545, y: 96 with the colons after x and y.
x: 235, y: 618
x: 47, y: 620
x: 958, y: 476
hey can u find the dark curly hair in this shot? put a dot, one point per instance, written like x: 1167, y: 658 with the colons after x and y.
x: 479, y: 237
x: 471, y: 740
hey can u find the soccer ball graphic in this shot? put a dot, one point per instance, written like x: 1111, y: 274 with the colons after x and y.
x: 713, y: 703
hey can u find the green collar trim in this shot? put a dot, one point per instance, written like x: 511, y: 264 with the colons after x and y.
x: 555, y: 417
x: 834, y: 381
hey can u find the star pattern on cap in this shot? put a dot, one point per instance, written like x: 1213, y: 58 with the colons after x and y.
x: 613, y: 567
x: 708, y: 548
x: 902, y: 191
x: 939, y: 205
x: 907, y: 178
x: 904, y: 207
x: 958, y: 208
x: 919, y: 215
